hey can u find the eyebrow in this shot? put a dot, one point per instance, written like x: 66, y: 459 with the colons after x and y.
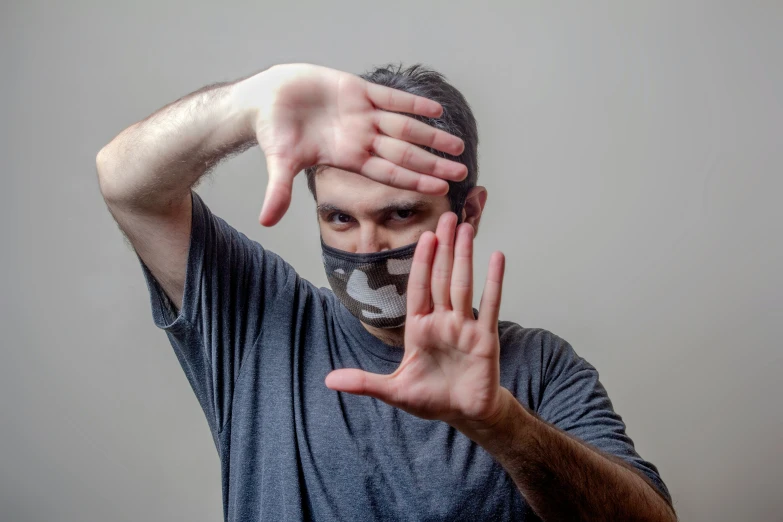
x: 411, y: 205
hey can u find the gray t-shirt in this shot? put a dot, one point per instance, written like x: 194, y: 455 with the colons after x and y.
x: 256, y: 342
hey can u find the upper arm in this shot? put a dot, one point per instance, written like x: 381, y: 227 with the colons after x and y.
x: 225, y: 286
x: 161, y: 239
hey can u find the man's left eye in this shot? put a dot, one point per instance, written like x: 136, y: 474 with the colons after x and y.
x: 402, y: 214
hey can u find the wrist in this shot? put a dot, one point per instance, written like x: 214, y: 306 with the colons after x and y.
x: 498, y: 427
x: 505, y: 434
x: 252, y: 97
x: 241, y: 109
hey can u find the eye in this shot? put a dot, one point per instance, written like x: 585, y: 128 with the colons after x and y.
x: 341, y: 218
x: 402, y: 214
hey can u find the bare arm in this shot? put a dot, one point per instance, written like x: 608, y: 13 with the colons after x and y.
x: 561, y: 477
x: 300, y: 114
x: 153, y: 163
x: 146, y: 173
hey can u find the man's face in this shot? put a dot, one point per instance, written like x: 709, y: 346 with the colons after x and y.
x: 359, y: 215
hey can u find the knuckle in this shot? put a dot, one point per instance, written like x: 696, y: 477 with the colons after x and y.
x: 407, y: 129
x: 432, y: 137
x: 407, y: 155
x: 441, y: 273
x: 394, y: 176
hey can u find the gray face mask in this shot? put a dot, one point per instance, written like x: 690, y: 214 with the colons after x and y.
x: 373, y: 287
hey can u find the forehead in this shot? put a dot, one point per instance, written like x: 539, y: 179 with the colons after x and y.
x: 353, y: 192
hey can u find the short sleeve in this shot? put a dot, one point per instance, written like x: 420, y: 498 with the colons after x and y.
x: 575, y: 401
x: 229, y: 282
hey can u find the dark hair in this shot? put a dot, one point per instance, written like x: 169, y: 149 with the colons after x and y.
x: 457, y: 119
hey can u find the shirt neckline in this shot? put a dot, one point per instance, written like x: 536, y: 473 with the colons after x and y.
x: 367, y: 341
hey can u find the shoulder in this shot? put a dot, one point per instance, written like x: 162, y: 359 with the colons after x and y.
x: 538, y: 348
x: 524, y: 340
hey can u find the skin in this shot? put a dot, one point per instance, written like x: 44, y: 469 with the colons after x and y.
x: 303, y: 115
x: 450, y: 368
x: 306, y: 115
x: 357, y: 225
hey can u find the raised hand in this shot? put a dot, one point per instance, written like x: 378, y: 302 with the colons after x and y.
x: 307, y: 115
x: 450, y: 370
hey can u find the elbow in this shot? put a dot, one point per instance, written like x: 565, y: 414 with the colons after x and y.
x: 102, y: 167
x: 107, y: 179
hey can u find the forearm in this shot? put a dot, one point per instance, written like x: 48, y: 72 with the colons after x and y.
x: 562, y: 478
x: 156, y: 160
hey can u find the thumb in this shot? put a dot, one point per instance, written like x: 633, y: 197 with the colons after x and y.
x: 278, y: 190
x: 360, y: 382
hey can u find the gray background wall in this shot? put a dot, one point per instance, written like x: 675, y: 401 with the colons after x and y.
x: 632, y: 153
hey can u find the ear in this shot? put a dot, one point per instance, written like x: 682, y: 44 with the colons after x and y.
x: 474, y: 206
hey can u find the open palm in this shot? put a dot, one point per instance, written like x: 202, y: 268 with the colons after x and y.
x: 310, y: 115
x: 450, y: 370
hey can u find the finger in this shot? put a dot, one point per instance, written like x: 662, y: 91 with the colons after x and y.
x: 444, y: 259
x: 401, y: 101
x: 489, y: 309
x: 419, y: 297
x: 417, y: 159
x: 386, y: 172
x: 413, y: 131
x: 462, y: 275
x: 278, y: 190
x: 360, y: 382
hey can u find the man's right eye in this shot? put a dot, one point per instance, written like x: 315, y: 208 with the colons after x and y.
x: 339, y: 217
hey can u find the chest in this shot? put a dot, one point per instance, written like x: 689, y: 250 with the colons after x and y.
x: 350, y: 457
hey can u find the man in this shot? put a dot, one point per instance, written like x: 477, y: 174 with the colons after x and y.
x: 366, y: 402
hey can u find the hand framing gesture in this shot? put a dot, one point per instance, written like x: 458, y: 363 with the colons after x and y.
x: 307, y: 115
x: 450, y: 370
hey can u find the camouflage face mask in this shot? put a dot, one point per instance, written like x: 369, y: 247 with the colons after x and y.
x: 373, y: 287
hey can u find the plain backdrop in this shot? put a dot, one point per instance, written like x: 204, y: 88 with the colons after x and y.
x: 633, y: 156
